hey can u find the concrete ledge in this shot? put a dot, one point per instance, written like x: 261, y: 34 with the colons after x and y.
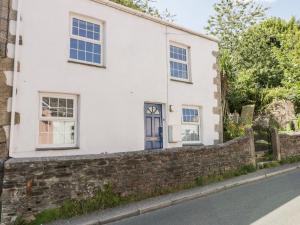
x: 135, y: 209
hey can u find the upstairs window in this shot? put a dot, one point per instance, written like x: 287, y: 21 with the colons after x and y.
x: 86, y: 41
x: 191, y: 125
x: 179, y: 62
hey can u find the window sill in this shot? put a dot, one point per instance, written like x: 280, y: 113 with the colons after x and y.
x: 191, y: 145
x: 182, y: 81
x: 86, y: 64
x: 57, y: 149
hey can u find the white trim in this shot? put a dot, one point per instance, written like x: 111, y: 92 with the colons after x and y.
x: 74, y: 119
x: 77, y: 37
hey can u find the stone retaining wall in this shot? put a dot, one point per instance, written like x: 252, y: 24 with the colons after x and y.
x: 289, y: 145
x: 285, y: 145
x: 34, y: 184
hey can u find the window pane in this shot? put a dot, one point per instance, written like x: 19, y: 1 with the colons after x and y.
x: 97, y: 49
x: 54, y: 102
x: 97, y: 36
x: 96, y: 28
x: 90, y: 26
x: 178, y: 53
x: 82, y: 33
x: 190, y: 133
x: 75, y: 31
x: 85, y: 51
x: 179, y: 70
x: 89, y: 57
x: 97, y: 59
x: 73, y: 54
x: 81, y: 55
x: 90, y: 35
x: 75, y: 22
x: 70, y: 103
x: 73, y: 43
x: 81, y: 45
x: 190, y: 115
x: 89, y: 47
x: 86, y: 29
x: 82, y: 24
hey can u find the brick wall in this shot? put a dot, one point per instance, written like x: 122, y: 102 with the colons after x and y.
x: 32, y: 185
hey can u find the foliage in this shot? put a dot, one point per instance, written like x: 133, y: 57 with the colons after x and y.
x: 104, y: 198
x: 290, y: 160
x: 233, y: 17
x: 267, y: 65
x: 233, y: 130
x: 146, y: 7
x: 205, y: 180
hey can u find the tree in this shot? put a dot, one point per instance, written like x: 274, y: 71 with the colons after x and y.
x: 232, y: 18
x: 267, y: 62
x: 146, y: 7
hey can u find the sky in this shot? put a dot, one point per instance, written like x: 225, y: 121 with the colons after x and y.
x: 194, y: 14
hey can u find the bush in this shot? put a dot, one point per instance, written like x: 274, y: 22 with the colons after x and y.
x: 233, y: 130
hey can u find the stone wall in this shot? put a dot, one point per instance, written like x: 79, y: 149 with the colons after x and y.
x: 289, y: 145
x: 34, y: 184
x: 285, y: 145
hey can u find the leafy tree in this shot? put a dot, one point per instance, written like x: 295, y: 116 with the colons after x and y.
x: 267, y: 61
x: 232, y: 18
x: 146, y: 7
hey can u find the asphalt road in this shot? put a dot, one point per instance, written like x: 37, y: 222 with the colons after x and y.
x: 242, y: 205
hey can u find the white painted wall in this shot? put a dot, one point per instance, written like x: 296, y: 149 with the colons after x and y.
x: 111, y: 100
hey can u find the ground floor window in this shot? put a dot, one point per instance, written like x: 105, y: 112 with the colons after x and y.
x: 191, y: 125
x: 57, y: 121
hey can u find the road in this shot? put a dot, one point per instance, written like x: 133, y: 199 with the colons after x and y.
x: 274, y: 201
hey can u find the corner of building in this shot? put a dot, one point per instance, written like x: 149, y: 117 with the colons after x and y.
x: 8, y: 17
x: 217, y: 110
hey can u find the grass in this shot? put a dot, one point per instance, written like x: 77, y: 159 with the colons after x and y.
x: 290, y: 160
x: 205, y: 180
x: 106, y: 198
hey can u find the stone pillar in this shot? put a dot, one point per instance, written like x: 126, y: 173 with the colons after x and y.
x: 250, y: 134
x: 275, y: 144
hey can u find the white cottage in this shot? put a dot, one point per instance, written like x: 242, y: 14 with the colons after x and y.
x: 91, y: 77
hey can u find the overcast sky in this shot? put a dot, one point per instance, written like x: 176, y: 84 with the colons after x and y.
x: 195, y: 13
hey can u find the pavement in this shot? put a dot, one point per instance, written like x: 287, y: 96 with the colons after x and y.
x: 244, y: 200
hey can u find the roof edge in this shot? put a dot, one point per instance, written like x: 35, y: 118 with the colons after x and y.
x: 153, y: 19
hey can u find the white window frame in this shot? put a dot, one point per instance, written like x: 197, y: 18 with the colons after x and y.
x: 77, y: 37
x: 199, y: 123
x: 74, y: 119
x: 188, y: 61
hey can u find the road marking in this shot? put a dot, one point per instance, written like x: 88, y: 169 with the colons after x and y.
x: 287, y: 214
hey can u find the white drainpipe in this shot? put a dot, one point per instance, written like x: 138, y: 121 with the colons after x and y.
x: 15, y: 78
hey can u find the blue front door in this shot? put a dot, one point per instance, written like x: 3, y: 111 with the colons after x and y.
x: 153, y: 126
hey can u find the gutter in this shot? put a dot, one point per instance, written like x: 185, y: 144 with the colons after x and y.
x: 15, y: 79
x: 153, y: 19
